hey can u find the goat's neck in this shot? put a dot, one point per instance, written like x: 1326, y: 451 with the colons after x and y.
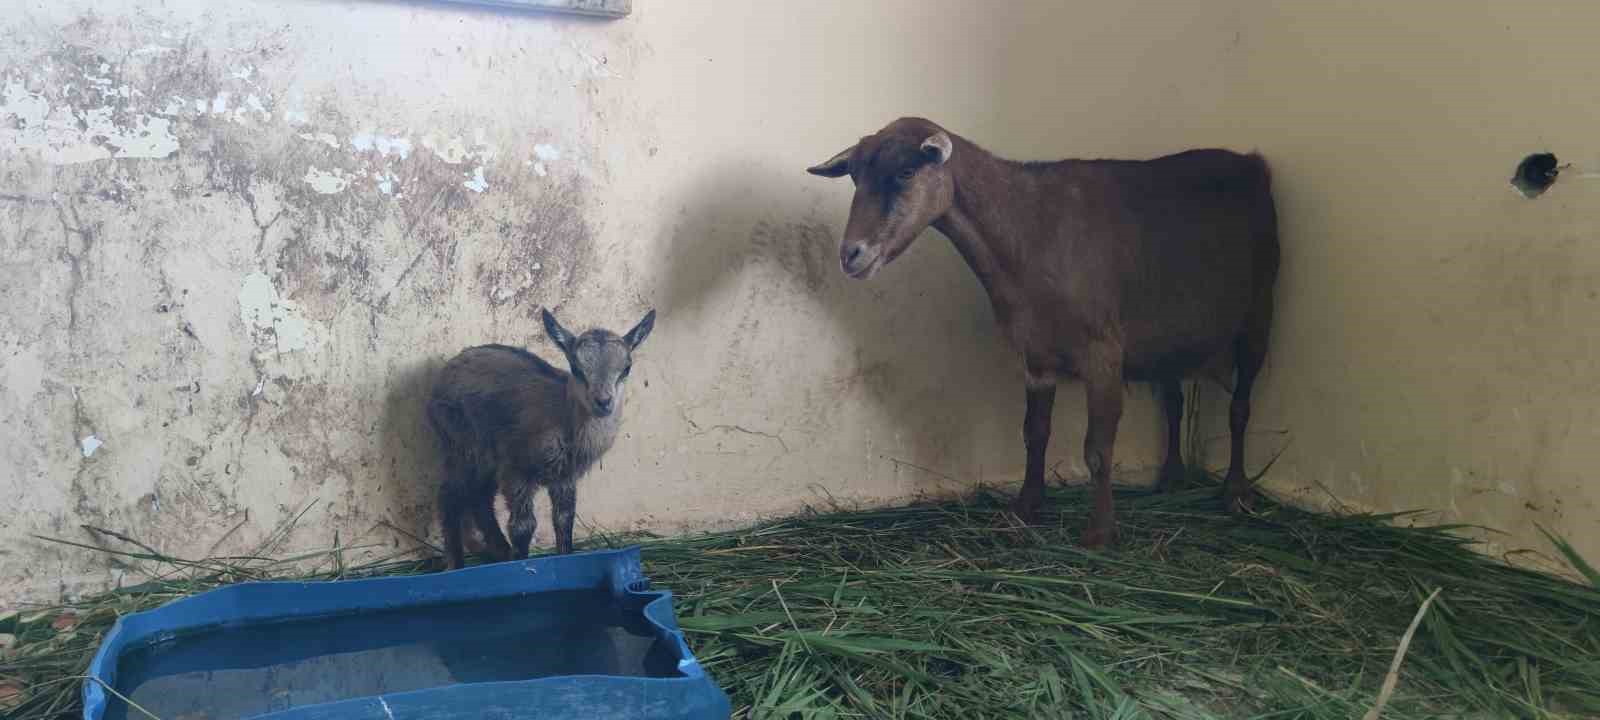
x: 987, y: 191
x: 591, y: 435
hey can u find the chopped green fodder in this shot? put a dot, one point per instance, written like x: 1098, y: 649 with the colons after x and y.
x: 953, y: 610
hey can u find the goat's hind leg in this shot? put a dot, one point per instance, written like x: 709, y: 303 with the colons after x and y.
x: 451, y: 514
x: 1173, y: 472
x: 1104, y: 393
x: 489, y: 526
x: 1237, y: 490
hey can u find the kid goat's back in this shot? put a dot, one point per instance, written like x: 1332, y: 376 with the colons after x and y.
x: 509, y: 422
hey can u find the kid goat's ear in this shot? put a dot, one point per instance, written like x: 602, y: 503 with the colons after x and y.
x: 641, y: 331
x: 558, y: 334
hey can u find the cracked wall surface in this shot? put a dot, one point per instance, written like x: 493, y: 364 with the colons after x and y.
x: 237, y: 239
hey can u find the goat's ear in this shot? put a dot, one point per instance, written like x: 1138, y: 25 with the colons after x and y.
x: 938, y: 147
x: 641, y: 331
x: 558, y: 334
x: 836, y: 166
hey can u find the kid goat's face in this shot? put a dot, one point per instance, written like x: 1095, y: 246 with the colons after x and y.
x: 600, y: 360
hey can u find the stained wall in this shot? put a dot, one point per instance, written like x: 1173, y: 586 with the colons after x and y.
x: 236, y: 239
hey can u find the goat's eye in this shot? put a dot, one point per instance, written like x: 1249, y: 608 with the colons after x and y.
x: 625, y: 371
x: 906, y: 175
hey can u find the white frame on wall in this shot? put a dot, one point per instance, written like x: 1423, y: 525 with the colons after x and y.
x: 594, y: 8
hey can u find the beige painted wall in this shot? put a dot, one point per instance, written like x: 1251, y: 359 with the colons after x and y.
x: 1437, y: 347
x: 244, y: 307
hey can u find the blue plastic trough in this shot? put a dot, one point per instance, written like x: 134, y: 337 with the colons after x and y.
x: 572, y: 636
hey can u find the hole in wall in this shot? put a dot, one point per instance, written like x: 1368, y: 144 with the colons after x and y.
x: 1535, y: 174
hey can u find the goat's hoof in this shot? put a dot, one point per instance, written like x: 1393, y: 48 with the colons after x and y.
x: 1099, y: 538
x: 1239, y: 501
x: 1026, y: 510
x: 1171, y: 479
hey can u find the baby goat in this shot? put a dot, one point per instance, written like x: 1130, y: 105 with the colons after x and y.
x: 510, y: 422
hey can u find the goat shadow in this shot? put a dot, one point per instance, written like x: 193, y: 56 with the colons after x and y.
x: 926, y: 354
x: 408, y: 473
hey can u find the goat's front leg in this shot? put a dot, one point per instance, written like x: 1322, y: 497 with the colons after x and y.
x: 563, y: 509
x: 1036, y: 437
x: 1103, y: 385
x: 519, y: 501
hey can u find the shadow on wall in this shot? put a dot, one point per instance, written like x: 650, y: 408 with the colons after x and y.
x: 409, y: 474
x: 747, y: 258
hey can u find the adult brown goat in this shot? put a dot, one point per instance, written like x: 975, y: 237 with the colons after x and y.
x: 1105, y: 270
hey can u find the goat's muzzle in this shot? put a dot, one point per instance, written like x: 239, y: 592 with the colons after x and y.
x: 858, y: 260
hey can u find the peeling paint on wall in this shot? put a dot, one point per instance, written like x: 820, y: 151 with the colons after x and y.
x: 322, y: 137
x: 67, y: 135
x: 253, y: 318
x: 477, y: 183
x: 254, y: 302
x: 455, y: 150
x: 261, y: 307
x: 384, y: 144
x: 326, y: 182
x: 544, y: 153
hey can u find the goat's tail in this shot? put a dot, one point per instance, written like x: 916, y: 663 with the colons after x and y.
x: 1261, y: 164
